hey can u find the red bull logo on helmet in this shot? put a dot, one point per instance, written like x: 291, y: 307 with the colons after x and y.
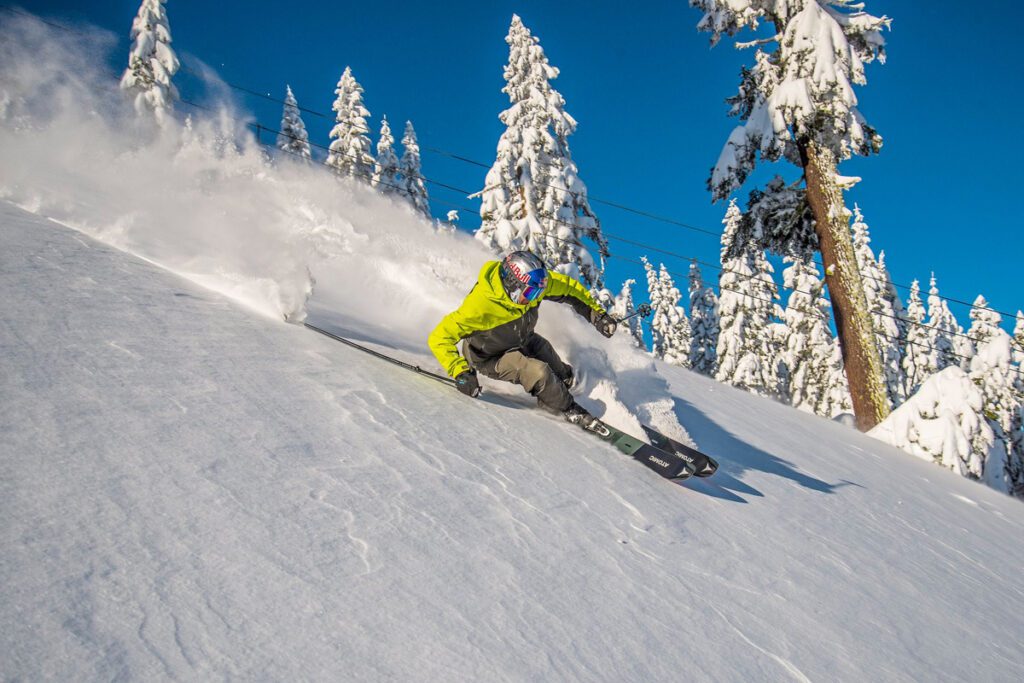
x: 517, y: 271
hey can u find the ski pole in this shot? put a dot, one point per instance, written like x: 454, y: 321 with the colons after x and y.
x: 378, y: 354
x: 643, y: 311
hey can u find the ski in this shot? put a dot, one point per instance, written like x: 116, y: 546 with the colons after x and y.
x: 701, y: 464
x: 668, y: 465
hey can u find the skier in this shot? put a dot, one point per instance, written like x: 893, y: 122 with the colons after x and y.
x: 496, y: 320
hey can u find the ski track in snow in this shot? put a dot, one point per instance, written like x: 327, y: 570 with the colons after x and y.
x: 194, y: 492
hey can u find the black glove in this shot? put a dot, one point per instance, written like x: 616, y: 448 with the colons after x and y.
x: 605, y: 324
x: 466, y: 383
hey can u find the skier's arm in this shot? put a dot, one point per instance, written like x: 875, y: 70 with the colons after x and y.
x: 566, y: 290
x: 444, y: 340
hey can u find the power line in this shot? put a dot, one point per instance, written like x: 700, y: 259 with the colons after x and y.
x: 14, y: 10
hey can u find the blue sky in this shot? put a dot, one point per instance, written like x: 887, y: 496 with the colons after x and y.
x: 648, y: 94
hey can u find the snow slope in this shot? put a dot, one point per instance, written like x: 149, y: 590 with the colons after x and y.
x: 193, y: 491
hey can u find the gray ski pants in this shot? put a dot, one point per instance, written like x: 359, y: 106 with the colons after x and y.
x: 535, y: 366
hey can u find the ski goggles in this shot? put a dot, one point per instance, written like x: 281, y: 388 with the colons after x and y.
x: 531, y: 292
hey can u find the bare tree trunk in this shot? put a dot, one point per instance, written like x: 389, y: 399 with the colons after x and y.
x: 849, y: 304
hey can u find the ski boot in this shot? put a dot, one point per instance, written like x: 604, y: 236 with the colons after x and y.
x: 578, y: 415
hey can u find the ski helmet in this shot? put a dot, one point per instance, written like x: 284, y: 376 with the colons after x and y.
x: 523, y: 276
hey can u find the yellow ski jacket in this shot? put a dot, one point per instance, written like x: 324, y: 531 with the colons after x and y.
x: 493, y: 324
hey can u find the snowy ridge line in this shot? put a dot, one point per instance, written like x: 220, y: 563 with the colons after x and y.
x: 259, y: 127
x: 465, y: 159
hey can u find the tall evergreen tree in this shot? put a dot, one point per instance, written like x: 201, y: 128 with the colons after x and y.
x: 385, y: 170
x: 533, y: 197
x: 293, y: 138
x: 349, y: 153
x: 703, y: 323
x: 883, y: 314
x: 893, y: 299
x: 917, y: 363
x: 151, y: 62
x: 963, y: 347
x: 679, y: 331
x: 985, y: 323
x: 1018, y: 339
x: 670, y: 329
x: 808, y: 344
x: 411, y: 182
x: 1017, y: 427
x: 942, y: 329
x: 837, y: 399
x: 797, y: 103
x: 993, y: 372
x: 746, y: 307
x: 624, y: 308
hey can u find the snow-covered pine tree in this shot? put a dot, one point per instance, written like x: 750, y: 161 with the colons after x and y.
x: 1015, y: 461
x: 670, y: 329
x: 624, y: 308
x: 963, y: 347
x: 985, y: 323
x: 992, y: 370
x: 411, y: 181
x: 883, y: 315
x: 349, y: 153
x: 654, y: 296
x: 942, y: 328
x: 837, y: 400
x: 807, y: 346
x: 893, y: 297
x: 943, y: 422
x: 533, y: 198
x: 293, y: 138
x: 917, y: 361
x: 746, y: 307
x: 151, y: 62
x: 450, y: 223
x: 385, y: 170
x: 1018, y: 339
x: 778, y: 334
x: 1017, y: 430
x: 604, y: 297
x: 797, y: 103
x: 703, y: 323
x: 678, y: 347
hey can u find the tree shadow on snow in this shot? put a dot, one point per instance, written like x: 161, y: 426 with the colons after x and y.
x: 735, y: 456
